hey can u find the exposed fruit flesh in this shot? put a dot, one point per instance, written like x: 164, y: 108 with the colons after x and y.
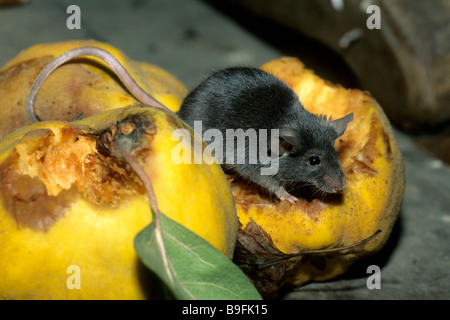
x: 91, y: 222
x: 370, y: 201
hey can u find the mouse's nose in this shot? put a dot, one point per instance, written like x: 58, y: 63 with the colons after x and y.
x: 333, y: 184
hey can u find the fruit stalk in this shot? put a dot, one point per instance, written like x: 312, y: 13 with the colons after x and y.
x: 131, y: 160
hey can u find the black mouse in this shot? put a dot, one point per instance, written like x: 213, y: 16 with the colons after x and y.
x: 252, y: 104
x: 252, y: 99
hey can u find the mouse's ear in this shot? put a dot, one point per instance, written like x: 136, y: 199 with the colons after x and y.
x: 340, y: 125
x: 288, y: 142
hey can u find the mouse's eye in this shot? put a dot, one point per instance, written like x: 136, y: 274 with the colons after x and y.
x: 314, y: 160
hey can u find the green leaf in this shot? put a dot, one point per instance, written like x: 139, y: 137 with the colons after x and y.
x: 195, y: 269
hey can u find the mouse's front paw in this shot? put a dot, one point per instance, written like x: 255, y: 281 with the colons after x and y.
x: 284, y: 195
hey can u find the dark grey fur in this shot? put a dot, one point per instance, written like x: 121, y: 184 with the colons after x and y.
x: 251, y: 98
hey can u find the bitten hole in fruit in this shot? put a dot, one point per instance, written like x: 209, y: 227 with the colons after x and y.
x: 48, y: 168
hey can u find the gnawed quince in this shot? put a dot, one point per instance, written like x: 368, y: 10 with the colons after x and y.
x: 366, y: 209
x: 67, y: 199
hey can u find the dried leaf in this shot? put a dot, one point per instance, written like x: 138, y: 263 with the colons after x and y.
x: 254, y: 249
x: 259, y: 258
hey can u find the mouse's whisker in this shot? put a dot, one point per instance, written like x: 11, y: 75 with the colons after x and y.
x: 319, y: 193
